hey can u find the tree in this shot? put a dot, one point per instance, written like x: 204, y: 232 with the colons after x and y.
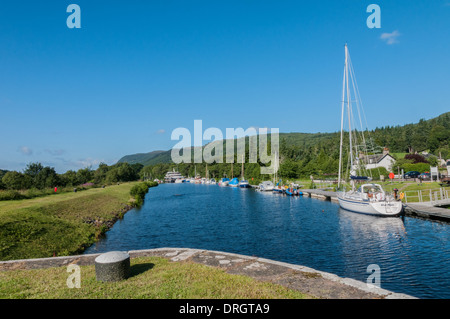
x: 33, y: 169
x: 112, y: 176
x: 16, y: 180
x: 100, y: 173
x: 84, y: 175
x: 69, y: 178
x: 126, y: 173
x: 47, y: 177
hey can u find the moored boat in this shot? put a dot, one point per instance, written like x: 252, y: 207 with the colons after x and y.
x: 244, y: 184
x: 234, y: 182
x: 368, y: 198
x: 266, y: 186
x: 224, y: 181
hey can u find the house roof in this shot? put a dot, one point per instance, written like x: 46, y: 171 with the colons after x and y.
x: 376, y: 158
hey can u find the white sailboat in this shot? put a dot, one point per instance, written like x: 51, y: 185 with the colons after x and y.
x: 243, y: 183
x: 266, y: 186
x: 369, y: 198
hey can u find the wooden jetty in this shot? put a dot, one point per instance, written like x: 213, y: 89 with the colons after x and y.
x: 320, y: 194
x: 427, y: 211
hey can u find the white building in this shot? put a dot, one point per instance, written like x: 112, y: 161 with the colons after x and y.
x: 378, y: 160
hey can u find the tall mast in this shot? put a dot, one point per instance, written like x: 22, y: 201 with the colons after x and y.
x: 349, y: 110
x: 275, y: 169
x: 242, y: 167
x: 342, y: 118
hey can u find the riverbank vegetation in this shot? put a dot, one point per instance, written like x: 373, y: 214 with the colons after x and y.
x: 37, y: 180
x: 150, y: 277
x: 139, y: 191
x: 61, y: 225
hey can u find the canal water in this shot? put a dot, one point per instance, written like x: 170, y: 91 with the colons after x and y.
x: 413, y: 254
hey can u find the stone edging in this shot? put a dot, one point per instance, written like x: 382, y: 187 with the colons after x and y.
x: 316, y: 283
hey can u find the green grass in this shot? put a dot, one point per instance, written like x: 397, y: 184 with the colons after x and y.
x: 150, y: 277
x: 59, y: 225
x: 398, y: 155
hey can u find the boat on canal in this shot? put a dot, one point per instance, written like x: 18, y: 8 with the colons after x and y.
x: 368, y: 198
x: 266, y: 186
x: 234, y: 182
x: 243, y: 183
x: 224, y: 181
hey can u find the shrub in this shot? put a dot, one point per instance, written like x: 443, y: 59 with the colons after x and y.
x: 138, y: 191
x: 416, y: 158
x: 11, y: 195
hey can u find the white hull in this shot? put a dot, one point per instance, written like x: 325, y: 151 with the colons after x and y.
x: 376, y: 208
x: 244, y: 185
x: 266, y: 186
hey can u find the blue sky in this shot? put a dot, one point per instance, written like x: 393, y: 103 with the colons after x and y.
x: 136, y: 70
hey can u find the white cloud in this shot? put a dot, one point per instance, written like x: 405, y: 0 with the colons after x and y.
x: 25, y: 150
x: 390, y: 38
x: 88, y: 162
x: 161, y: 131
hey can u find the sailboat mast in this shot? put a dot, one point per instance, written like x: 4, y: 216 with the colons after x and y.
x: 349, y: 109
x: 275, y: 168
x: 242, y: 167
x: 342, y: 119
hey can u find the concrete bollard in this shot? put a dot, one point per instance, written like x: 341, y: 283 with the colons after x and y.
x: 112, y: 266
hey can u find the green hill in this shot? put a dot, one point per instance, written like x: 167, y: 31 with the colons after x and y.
x: 303, y: 154
x: 150, y: 158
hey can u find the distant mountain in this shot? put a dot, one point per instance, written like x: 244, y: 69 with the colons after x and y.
x: 150, y: 158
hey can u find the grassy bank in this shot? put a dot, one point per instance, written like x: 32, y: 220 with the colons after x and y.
x: 150, y: 277
x: 60, y: 225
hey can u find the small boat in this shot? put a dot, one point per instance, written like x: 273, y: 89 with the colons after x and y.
x: 212, y: 181
x: 224, y: 181
x: 278, y: 188
x: 179, y: 181
x: 234, y: 182
x: 291, y: 191
x: 266, y: 186
x: 244, y: 184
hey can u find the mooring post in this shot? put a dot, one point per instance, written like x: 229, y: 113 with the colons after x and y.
x: 112, y: 266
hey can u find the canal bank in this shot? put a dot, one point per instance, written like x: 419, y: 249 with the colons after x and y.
x: 317, y: 284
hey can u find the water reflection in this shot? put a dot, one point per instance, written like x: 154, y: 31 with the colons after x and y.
x: 383, y: 227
